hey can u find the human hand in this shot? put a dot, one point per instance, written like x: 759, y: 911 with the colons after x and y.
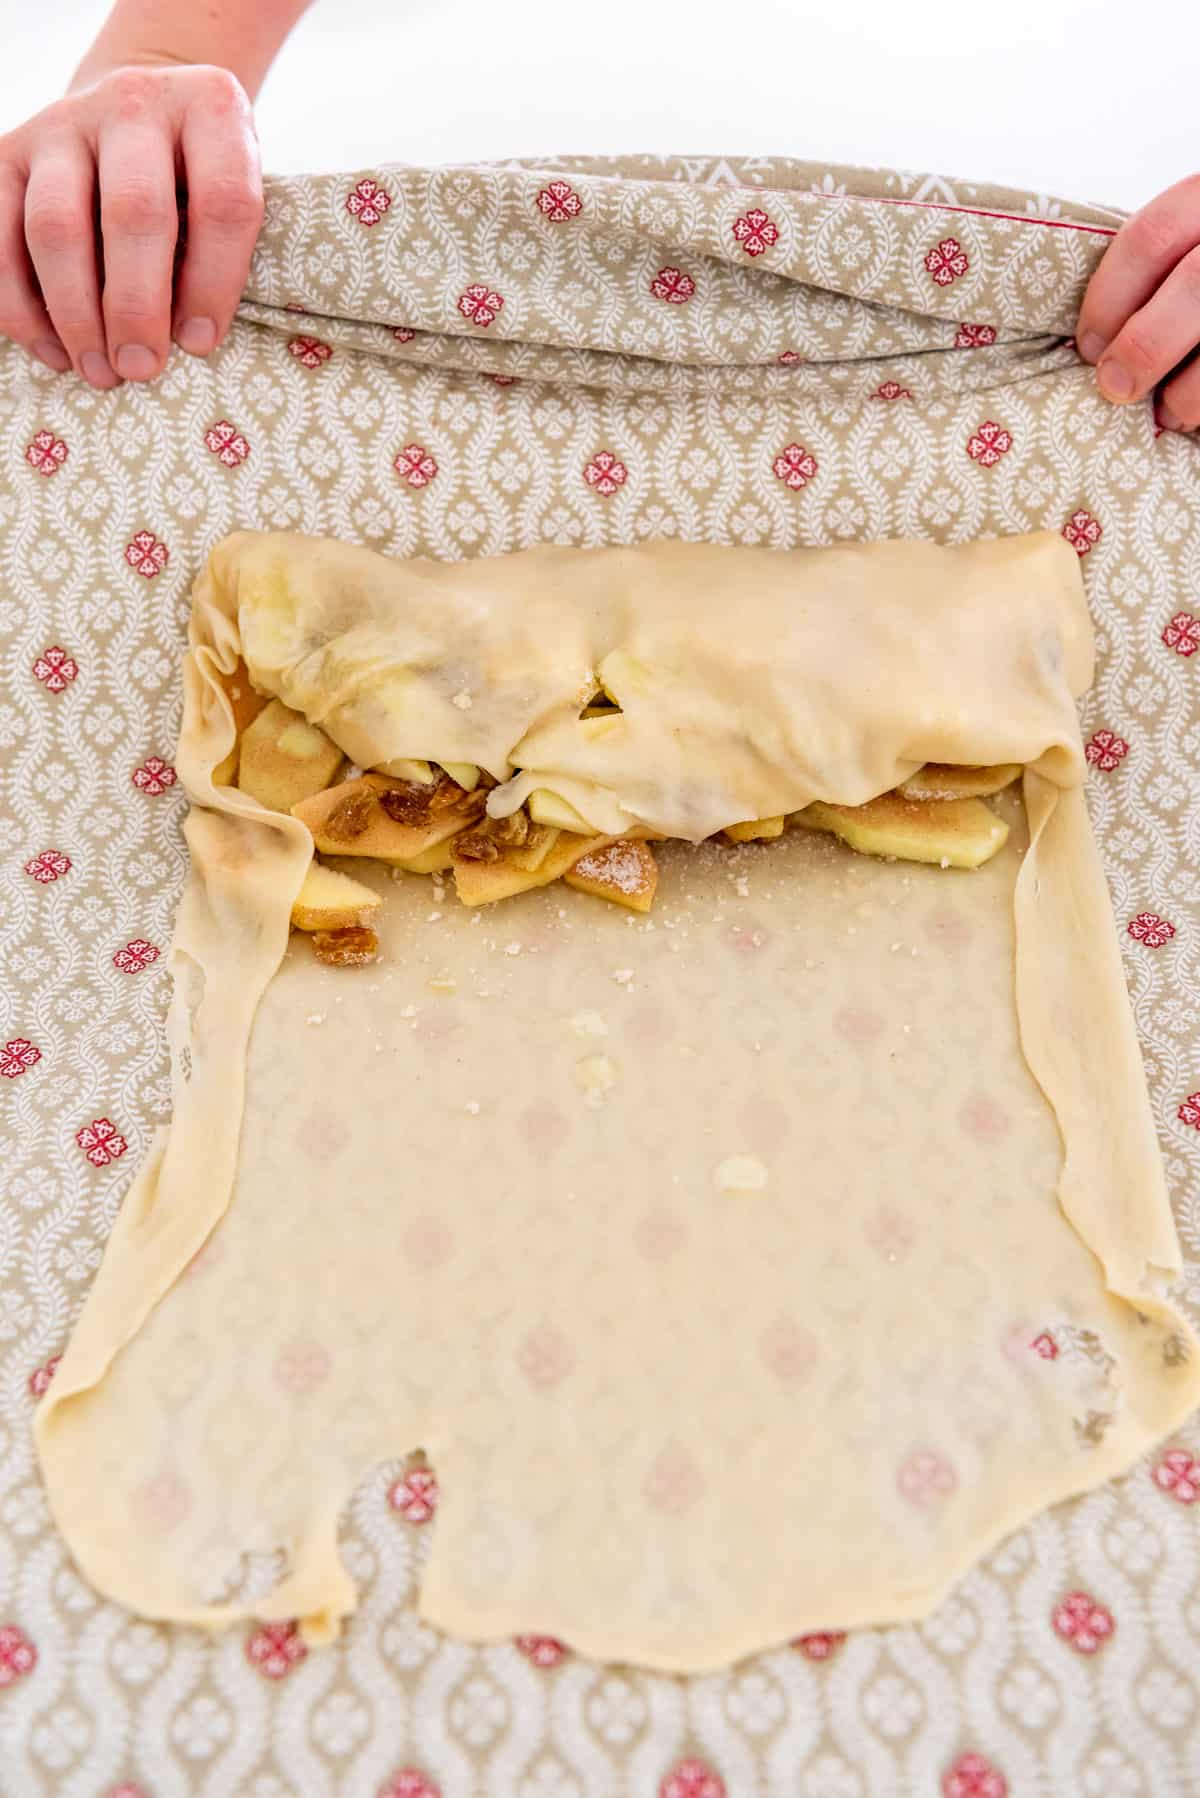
x: 91, y: 195
x: 1140, y: 318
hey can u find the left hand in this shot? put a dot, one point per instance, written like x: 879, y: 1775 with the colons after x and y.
x: 1140, y: 318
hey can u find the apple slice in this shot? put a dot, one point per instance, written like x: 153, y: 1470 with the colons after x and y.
x: 623, y: 871
x: 546, y: 807
x: 948, y: 780
x: 390, y: 819
x: 755, y: 830
x: 246, y: 702
x: 331, y: 901
x: 483, y: 882
x: 435, y: 860
x: 463, y: 774
x: 955, y: 833
x: 285, y: 759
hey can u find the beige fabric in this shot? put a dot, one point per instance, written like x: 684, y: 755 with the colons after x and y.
x: 895, y: 364
x: 599, y: 1190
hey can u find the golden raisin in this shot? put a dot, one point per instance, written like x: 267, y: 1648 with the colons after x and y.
x: 352, y: 947
x: 475, y: 846
x: 350, y: 816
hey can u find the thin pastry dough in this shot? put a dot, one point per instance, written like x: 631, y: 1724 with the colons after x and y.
x: 747, y: 1269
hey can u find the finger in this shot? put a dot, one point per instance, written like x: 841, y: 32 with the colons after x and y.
x: 61, y: 234
x: 1160, y: 335
x: 1179, y: 403
x: 138, y: 223
x: 224, y: 213
x: 1138, y: 260
x: 23, y: 318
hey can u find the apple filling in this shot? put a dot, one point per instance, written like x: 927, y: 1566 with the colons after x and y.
x: 430, y: 818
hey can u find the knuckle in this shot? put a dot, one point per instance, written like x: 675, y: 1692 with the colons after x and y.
x: 1188, y: 277
x: 231, y: 203
x: 54, y: 222
x: 133, y: 91
x: 134, y: 315
x: 222, y: 90
x: 1156, y: 234
x: 136, y: 208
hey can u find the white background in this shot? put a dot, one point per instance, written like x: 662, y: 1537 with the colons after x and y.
x: 1090, y: 99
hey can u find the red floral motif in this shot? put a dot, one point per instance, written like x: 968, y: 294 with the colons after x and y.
x: 692, y: 1779
x: 415, y: 1496
x: 402, y: 334
x: 756, y: 231
x: 674, y: 1483
x: 1150, y: 929
x: 1179, y: 1474
x: 673, y: 286
x: 974, y: 337
x: 543, y: 1651
x: 989, y: 443
x: 925, y: 1478
x: 17, y: 1057
x: 1082, y: 1622
x: 303, y: 1366
x: 972, y: 1776
x: 947, y: 261
x: 135, y: 956
x: 1183, y: 634
x: 1189, y: 1111
x: 128, y: 1791
x: 415, y: 466
x: 147, y: 555
x: 821, y: 1644
x: 605, y: 473
x: 310, y: 352
x: 794, y: 466
x: 1106, y: 750
x: 154, y: 776
x: 891, y: 390
x: 226, y: 443
x: 1044, y: 1345
x: 480, y: 304
x: 558, y: 201
x: 1082, y: 532
x: 503, y: 380
x: 367, y: 202
x: 50, y: 865
x: 162, y: 1502
x: 409, y: 1782
x: 18, y: 1656
x: 789, y: 358
x: 275, y: 1648
x: 101, y: 1142
x: 46, y: 453
x: 40, y: 1378
x: 55, y: 669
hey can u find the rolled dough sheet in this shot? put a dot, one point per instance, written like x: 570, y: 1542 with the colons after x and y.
x: 744, y: 1269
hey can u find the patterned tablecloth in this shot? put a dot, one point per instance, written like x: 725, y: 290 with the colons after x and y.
x: 460, y: 362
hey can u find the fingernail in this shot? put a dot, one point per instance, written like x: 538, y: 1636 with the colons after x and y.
x: 136, y: 363
x: 1091, y: 346
x: 197, y: 336
x: 94, y: 368
x: 1115, y: 381
x: 1168, y: 420
x: 51, y: 352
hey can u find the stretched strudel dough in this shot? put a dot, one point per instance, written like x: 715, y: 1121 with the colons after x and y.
x: 742, y: 1269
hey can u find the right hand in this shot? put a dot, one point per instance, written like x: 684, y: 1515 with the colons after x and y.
x: 90, y: 217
